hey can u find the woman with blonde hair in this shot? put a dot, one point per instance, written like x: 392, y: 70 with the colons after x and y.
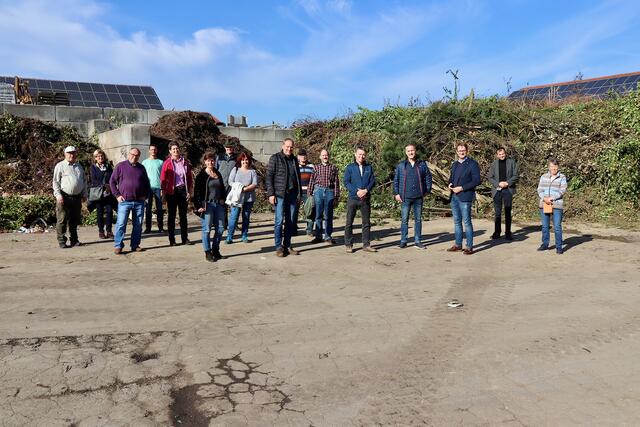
x: 100, y: 197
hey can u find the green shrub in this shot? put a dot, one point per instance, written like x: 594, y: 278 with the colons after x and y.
x: 16, y: 211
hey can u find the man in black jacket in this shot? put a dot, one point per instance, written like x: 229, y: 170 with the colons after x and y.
x: 283, y: 189
x: 503, y: 175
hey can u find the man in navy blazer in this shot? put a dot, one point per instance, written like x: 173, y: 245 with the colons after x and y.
x: 359, y: 180
x: 464, y: 178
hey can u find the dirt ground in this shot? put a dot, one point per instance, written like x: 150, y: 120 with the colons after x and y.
x: 325, y: 338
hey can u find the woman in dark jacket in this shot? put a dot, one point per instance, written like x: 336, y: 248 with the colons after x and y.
x: 209, y: 195
x: 101, y: 172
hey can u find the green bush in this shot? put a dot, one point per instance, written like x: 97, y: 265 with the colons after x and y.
x: 619, y: 171
x: 16, y: 211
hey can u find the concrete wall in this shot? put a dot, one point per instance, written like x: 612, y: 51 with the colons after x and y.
x: 116, y: 143
x: 80, y: 117
x: 262, y: 142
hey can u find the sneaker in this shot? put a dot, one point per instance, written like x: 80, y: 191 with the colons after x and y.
x: 245, y: 239
x: 369, y: 249
x: 402, y: 245
x: 117, y: 251
x: 291, y: 251
x: 317, y: 240
x: 543, y: 248
x: 280, y: 252
x: 419, y: 246
x: 454, y: 248
x: 63, y: 245
x: 468, y: 251
x: 349, y: 249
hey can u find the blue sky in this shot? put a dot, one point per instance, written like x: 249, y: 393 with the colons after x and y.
x: 286, y: 60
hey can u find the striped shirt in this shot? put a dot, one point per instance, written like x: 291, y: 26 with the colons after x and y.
x: 305, y: 175
x: 325, y: 176
x: 553, y: 186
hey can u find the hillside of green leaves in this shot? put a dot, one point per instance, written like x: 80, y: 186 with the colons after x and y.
x: 596, y: 141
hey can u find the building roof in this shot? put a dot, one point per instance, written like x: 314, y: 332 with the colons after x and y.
x: 597, y: 87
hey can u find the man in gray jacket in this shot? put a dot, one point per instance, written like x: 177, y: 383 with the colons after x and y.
x: 69, y: 189
x: 503, y: 175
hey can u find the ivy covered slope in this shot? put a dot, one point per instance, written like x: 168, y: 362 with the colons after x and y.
x: 597, y: 143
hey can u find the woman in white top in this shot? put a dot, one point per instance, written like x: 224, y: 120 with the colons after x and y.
x: 247, y: 176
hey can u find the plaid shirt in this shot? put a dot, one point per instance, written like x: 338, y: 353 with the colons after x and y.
x: 325, y: 176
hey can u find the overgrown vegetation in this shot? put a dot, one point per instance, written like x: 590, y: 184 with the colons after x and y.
x: 597, y: 143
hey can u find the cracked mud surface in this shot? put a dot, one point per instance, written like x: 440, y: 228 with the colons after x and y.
x: 163, y: 338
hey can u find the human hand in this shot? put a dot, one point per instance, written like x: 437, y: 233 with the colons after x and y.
x: 272, y: 200
x: 361, y: 193
x: 200, y: 210
x: 548, y: 200
x: 398, y: 198
x: 60, y: 200
x: 120, y: 199
x: 503, y: 184
x: 457, y: 189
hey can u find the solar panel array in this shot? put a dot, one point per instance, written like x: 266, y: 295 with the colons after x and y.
x: 593, y: 88
x: 96, y: 94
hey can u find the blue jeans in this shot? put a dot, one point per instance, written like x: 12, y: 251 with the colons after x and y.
x: 323, y: 200
x: 154, y: 195
x: 137, y: 207
x: 462, y: 214
x: 213, y: 217
x: 285, y: 215
x: 233, y: 219
x: 557, y: 227
x: 407, y: 204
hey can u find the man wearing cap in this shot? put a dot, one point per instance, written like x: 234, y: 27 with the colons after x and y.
x: 130, y: 185
x: 69, y: 188
x: 306, y: 170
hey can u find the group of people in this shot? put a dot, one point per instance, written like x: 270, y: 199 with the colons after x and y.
x: 224, y: 191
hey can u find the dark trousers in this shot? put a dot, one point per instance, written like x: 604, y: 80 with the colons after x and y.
x: 104, y: 215
x: 365, y: 210
x: 68, y: 214
x: 503, y: 197
x: 177, y: 200
x: 154, y: 195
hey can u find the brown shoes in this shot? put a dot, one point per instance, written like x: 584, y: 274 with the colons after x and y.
x: 138, y: 249
x: 280, y: 252
x: 349, y: 249
x: 369, y: 249
x: 291, y: 251
x: 468, y: 251
x: 117, y: 251
x: 454, y: 248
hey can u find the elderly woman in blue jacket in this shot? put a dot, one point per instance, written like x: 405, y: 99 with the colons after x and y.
x: 551, y: 190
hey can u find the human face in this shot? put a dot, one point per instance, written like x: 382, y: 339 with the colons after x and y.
x: 99, y: 158
x: 210, y: 163
x: 153, y: 152
x: 244, y: 163
x: 71, y: 157
x: 228, y: 150
x: 410, y: 151
x: 361, y: 156
x: 287, y: 147
x: 501, y: 154
x: 553, y: 169
x: 175, y: 152
x: 134, y: 156
x: 461, y: 151
x: 302, y: 159
x: 324, y: 157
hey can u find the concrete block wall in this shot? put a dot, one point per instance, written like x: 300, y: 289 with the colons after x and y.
x: 116, y: 143
x: 263, y: 142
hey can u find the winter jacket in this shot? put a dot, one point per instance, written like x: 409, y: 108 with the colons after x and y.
x: 201, y: 189
x: 554, y: 187
x: 168, y: 177
x: 466, y: 175
x: 512, y: 176
x: 400, y: 178
x: 277, y: 173
x: 354, y: 181
x: 225, y: 166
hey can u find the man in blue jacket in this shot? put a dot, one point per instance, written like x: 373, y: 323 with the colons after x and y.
x: 359, y: 180
x: 411, y: 182
x: 465, y: 177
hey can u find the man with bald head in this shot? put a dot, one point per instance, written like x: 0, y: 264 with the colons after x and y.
x: 130, y: 185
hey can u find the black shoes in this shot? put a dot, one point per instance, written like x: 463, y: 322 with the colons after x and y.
x: 208, y: 255
x: 543, y: 247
